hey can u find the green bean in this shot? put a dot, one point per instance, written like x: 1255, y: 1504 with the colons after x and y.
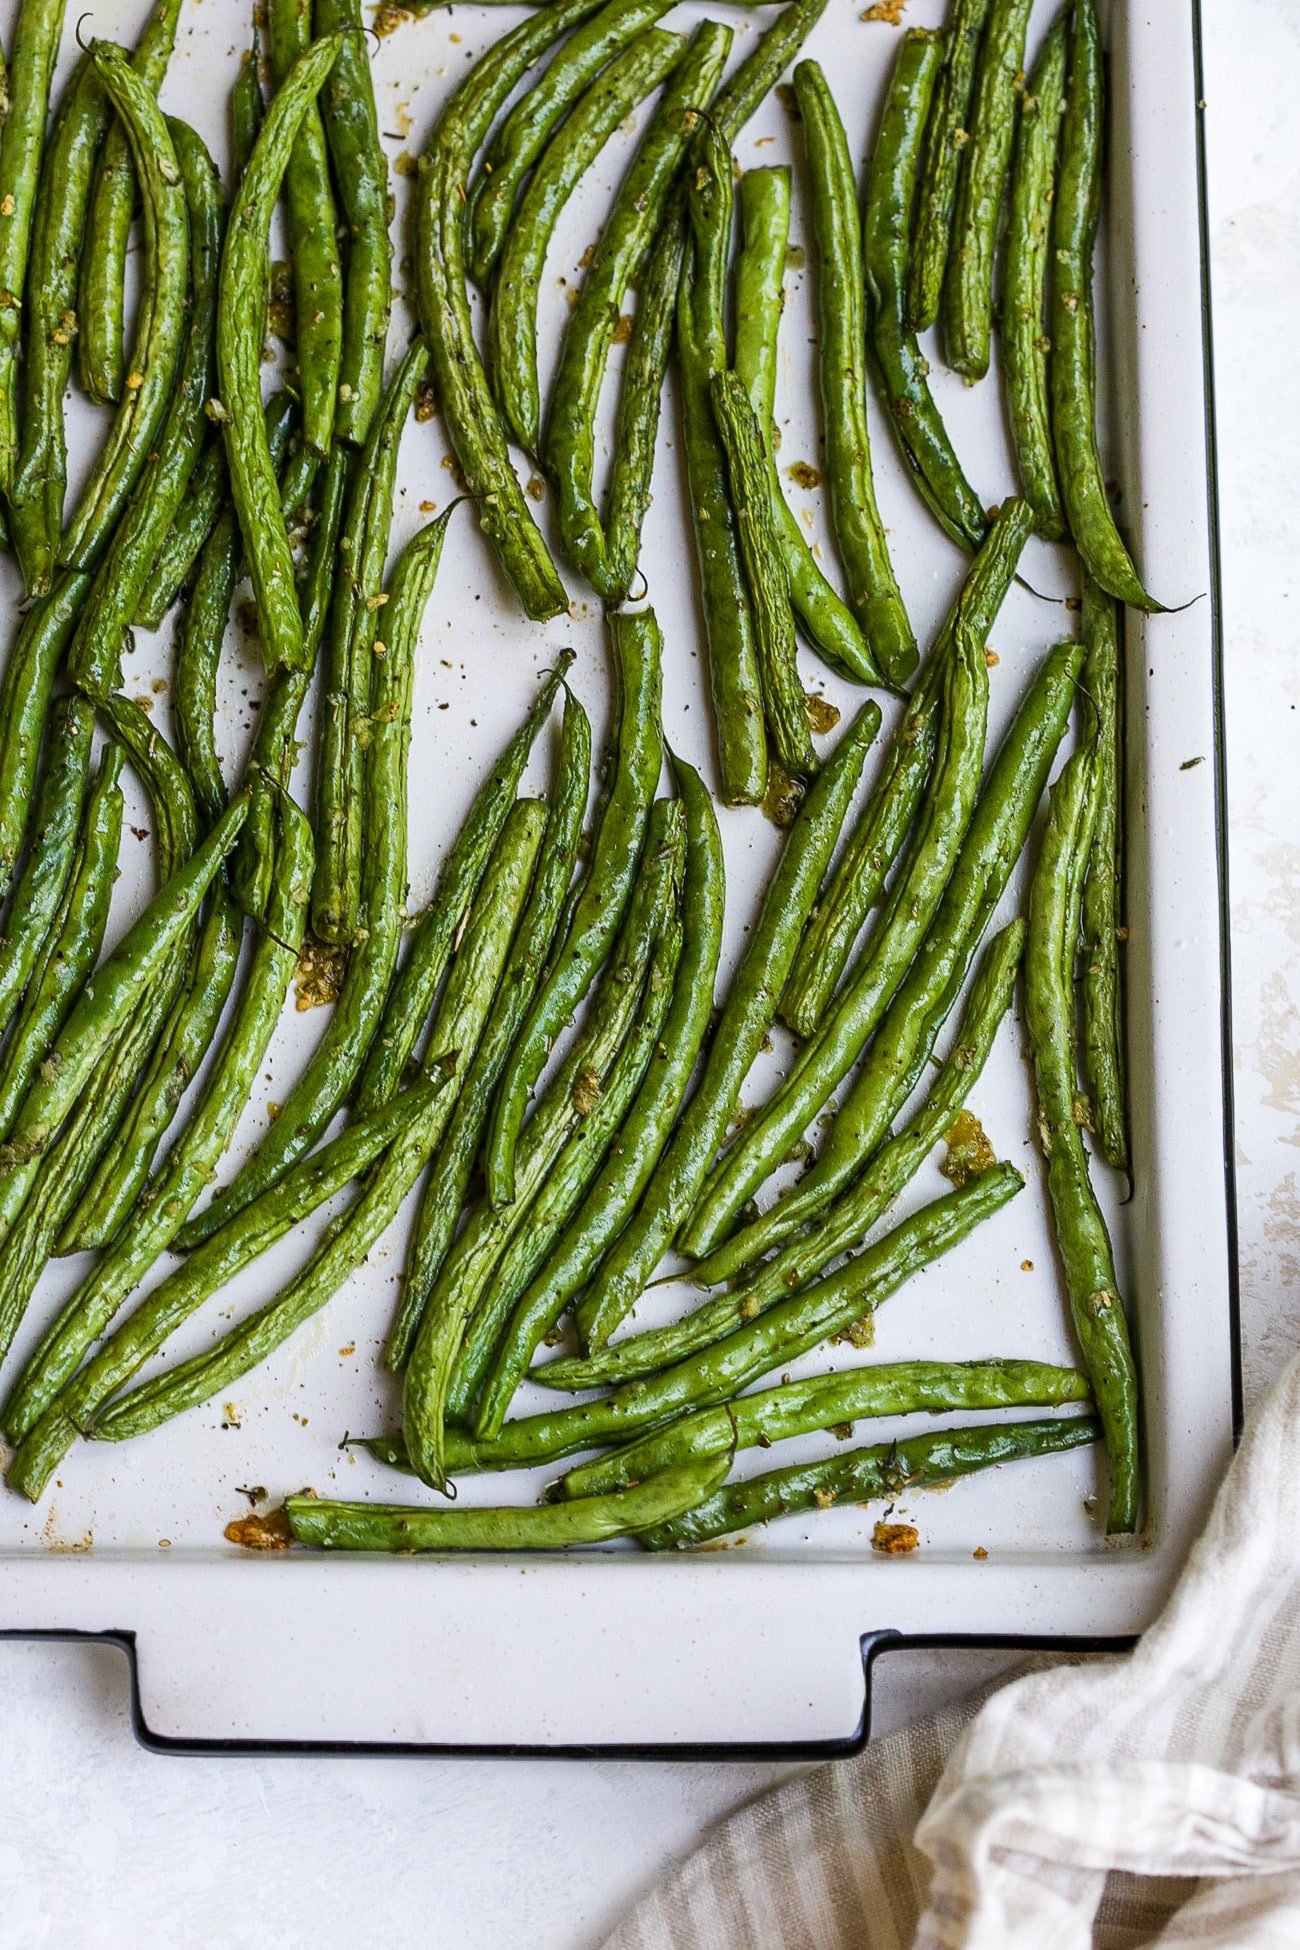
x: 247, y: 110
x: 766, y: 577
x: 184, y: 540
x: 887, y: 816
x: 647, y: 362
x: 309, y: 1186
x: 25, y: 691
x: 1081, y: 1237
x: 528, y: 128
x: 324, y: 1083
x: 568, y: 444
x: 240, y: 329
x: 828, y: 623
x: 1025, y: 346
x: 582, y: 1077
x: 95, y: 658
x: 361, y: 182
x: 51, y: 852
x: 176, y: 824
x: 101, y: 298
x: 576, y: 1170
x: 640, y: 1143
x: 841, y: 1224
x: 828, y: 1402
x: 313, y: 234
x: 884, y: 1471
x: 1102, y: 1046
x: 1076, y: 212
x: 435, y: 933
x: 594, y: 1520
x: 901, y: 1047
x: 773, y: 1340
x: 512, y: 323
x: 735, y: 677
x: 86, y: 1316
x: 744, y: 1022
x: 448, y: 1181
x: 968, y: 288
x: 160, y: 323
x: 75, y: 941
x: 859, y: 532
x: 636, y: 645
x: 882, y: 965
x: 32, y: 53
x: 102, y: 1009
x: 891, y: 187
x: 40, y: 477
x: 469, y: 413
x: 946, y: 139
x: 354, y: 616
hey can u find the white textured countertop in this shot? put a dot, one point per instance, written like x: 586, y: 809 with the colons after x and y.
x: 102, y: 1844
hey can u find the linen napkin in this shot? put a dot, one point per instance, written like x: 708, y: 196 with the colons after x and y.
x: 1150, y: 1800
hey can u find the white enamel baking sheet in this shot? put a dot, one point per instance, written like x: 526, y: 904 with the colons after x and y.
x: 759, y: 1642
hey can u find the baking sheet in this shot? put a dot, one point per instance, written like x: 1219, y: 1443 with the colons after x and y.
x: 758, y: 1642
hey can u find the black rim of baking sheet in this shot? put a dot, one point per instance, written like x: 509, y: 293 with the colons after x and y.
x: 875, y: 1644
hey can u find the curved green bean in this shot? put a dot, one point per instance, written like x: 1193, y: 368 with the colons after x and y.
x: 512, y: 323
x: 240, y: 328
x: 946, y: 139
x: 1075, y: 214
x: 160, y: 324
x: 766, y: 578
x: 40, y: 477
x: 95, y: 657
x: 636, y: 645
x: 911, y: 907
x: 86, y: 1316
x: 1025, y: 346
x: 101, y: 295
x: 887, y: 816
x: 594, y: 1520
x: 968, y: 288
x: 55, y: 825
x: 33, y: 50
x: 469, y: 413
x: 842, y: 1224
x: 313, y: 233
x: 885, y: 1470
x: 891, y: 187
x: 523, y: 136
x: 828, y: 1401
x: 745, y: 1020
x: 1082, y: 1241
x: 735, y: 676
x: 74, y: 944
x: 828, y: 623
x: 568, y: 442
x: 647, y: 362
x: 448, y: 1181
x: 436, y: 931
x: 361, y: 183
x: 645, y: 1132
x: 1102, y: 1043
x: 874, y: 595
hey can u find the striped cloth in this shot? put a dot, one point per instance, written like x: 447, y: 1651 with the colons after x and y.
x: 1152, y: 1800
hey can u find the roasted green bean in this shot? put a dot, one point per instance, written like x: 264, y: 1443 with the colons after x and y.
x: 946, y: 139
x: 1025, y: 345
x: 313, y: 233
x: 1102, y: 1044
x: 968, y: 288
x: 52, y: 850
x: 38, y: 26
x: 361, y: 182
